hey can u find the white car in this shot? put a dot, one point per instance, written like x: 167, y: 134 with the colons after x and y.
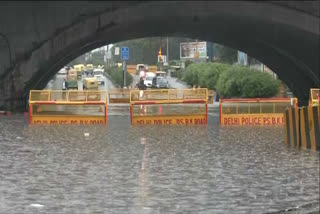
x: 100, y: 78
x: 63, y: 71
x: 148, y: 81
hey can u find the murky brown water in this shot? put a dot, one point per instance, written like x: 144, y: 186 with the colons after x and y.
x: 157, y: 169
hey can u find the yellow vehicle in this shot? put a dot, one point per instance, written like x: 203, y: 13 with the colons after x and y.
x: 72, y: 80
x: 80, y: 69
x: 90, y: 84
x: 314, y: 98
x: 89, y: 67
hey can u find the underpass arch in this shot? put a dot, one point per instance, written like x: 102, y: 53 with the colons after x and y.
x: 264, y: 31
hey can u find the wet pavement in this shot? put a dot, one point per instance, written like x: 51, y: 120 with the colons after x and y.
x: 121, y: 168
x: 56, y: 83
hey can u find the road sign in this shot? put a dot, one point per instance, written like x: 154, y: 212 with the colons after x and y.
x: 124, y: 53
x: 116, y: 51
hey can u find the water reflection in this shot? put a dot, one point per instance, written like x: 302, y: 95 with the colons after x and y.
x: 156, y: 169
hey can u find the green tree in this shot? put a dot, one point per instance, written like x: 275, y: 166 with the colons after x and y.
x: 240, y: 81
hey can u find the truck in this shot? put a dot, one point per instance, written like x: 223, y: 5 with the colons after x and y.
x: 72, y: 80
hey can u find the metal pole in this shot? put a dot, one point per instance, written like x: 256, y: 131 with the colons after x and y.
x: 107, y: 55
x: 167, y: 49
x: 123, y: 73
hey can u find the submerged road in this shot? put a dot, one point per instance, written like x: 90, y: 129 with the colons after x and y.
x: 121, y: 168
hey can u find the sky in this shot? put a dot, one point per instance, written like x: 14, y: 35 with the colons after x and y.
x: 97, y: 49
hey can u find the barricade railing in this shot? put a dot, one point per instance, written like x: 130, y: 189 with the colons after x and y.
x: 254, y: 111
x: 169, y: 106
x: 67, y: 107
x: 314, y: 98
x: 168, y: 95
x: 119, y: 95
x: 211, y: 94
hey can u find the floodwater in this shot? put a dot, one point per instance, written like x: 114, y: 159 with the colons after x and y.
x: 121, y: 168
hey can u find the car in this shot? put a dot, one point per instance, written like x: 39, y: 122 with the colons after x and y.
x: 100, y: 78
x: 160, y: 82
x: 63, y: 71
x: 148, y: 81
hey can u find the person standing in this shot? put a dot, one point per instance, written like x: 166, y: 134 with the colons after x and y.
x: 64, y: 88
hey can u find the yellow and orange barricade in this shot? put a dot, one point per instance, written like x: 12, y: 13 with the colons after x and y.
x: 169, y: 106
x: 67, y: 107
x: 119, y: 95
x: 314, y: 97
x: 303, y: 124
x: 254, y: 111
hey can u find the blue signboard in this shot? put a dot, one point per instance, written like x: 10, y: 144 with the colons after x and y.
x: 124, y: 53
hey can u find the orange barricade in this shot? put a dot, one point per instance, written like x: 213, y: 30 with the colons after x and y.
x: 169, y: 106
x: 67, y: 107
x: 254, y: 111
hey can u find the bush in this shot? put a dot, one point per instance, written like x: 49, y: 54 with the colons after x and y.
x: 231, y: 81
x: 204, y: 74
x: 115, y: 74
x: 240, y: 81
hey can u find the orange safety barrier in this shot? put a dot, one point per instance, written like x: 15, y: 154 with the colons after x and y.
x: 254, y: 111
x: 67, y: 107
x: 169, y: 106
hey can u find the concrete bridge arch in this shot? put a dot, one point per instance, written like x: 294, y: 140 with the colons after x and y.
x: 46, y: 36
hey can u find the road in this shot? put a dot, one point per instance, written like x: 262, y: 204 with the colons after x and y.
x: 56, y: 83
x: 173, y: 82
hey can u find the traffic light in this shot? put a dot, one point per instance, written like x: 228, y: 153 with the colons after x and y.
x: 159, y: 55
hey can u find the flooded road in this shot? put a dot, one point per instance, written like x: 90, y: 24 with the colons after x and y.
x: 157, y: 169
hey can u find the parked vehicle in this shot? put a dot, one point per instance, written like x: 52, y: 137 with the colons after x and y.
x: 161, y: 74
x: 160, y: 82
x: 72, y: 80
x: 90, y: 83
x: 98, y: 71
x: 148, y: 79
x: 62, y: 71
x: 100, y: 78
x: 80, y: 69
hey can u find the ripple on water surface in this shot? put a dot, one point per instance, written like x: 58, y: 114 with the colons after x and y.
x: 156, y: 169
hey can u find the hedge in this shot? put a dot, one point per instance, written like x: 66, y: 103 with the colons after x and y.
x: 240, y: 81
x: 231, y: 80
x: 115, y: 74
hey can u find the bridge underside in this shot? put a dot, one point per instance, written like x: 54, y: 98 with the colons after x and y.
x: 43, y: 38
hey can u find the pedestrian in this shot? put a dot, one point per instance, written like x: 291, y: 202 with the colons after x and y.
x: 141, y: 84
x: 64, y: 87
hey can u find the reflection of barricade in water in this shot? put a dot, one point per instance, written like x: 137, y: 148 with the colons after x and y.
x: 169, y: 106
x: 67, y: 107
x: 119, y: 95
x: 254, y: 111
